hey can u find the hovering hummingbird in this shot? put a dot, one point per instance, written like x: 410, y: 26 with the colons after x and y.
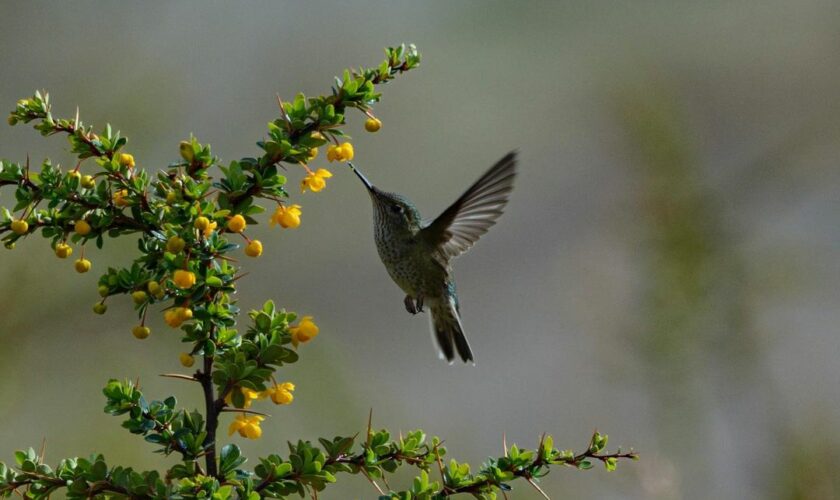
x: 418, y: 254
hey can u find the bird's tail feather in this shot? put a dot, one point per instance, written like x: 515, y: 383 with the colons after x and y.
x: 447, y: 331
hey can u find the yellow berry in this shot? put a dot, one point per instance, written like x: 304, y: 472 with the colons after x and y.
x: 186, y: 150
x: 103, y: 290
x: 202, y: 223
x: 236, y: 224
x: 184, y: 279
x: 171, y: 197
x: 373, y: 124
x: 186, y: 359
x: 88, y: 182
x: 100, y: 308
x: 74, y: 174
x: 139, y: 297
x: 254, y: 249
x: 141, y: 332
x: 20, y: 226
x: 175, y: 244
x: 82, y: 266
x: 63, y: 250
x: 82, y: 228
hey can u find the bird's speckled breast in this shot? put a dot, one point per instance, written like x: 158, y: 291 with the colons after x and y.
x: 410, y: 265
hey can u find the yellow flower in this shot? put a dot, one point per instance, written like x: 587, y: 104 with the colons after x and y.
x: 250, y: 395
x: 315, y: 181
x: 175, y: 316
x: 281, y: 394
x: 287, y: 217
x: 63, y: 250
x: 120, y: 198
x: 373, y: 124
x: 344, y: 152
x: 201, y: 223
x: 175, y: 244
x: 184, y: 279
x: 313, y: 153
x: 82, y: 266
x: 186, y: 359
x: 19, y: 227
x: 236, y: 224
x: 82, y: 228
x: 141, y: 332
x: 305, y: 331
x: 248, y: 426
x: 126, y: 160
x: 254, y: 249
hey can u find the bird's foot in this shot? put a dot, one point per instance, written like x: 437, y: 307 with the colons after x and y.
x: 409, y: 304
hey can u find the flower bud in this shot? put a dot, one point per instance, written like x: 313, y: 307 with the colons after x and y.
x: 254, y: 249
x: 186, y: 359
x: 63, y: 250
x: 82, y: 228
x: 139, y: 297
x: 373, y: 124
x: 141, y: 332
x: 236, y: 224
x: 19, y: 226
x: 82, y: 266
x: 175, y: 244
x: 186, y: 150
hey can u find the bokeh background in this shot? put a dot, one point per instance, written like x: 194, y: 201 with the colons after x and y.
x: 666, y: 271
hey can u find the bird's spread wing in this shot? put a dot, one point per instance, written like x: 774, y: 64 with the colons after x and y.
x: 463, y: 223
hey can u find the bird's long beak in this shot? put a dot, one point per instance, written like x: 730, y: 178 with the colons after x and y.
x: 361, y: 176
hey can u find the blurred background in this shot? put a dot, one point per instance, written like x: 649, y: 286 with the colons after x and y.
x: 666, y: 271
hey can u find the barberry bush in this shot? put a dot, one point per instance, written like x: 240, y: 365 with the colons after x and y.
x: 191, y: 219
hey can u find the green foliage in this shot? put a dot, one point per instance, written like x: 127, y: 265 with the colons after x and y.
x: 188, y: 224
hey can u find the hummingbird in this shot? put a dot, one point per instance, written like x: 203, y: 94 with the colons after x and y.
x: 418, y: 254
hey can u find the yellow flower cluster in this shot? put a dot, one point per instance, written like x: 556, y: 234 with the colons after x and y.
x: 287, y: 217
x: 342, y: 152
x: 315, y: 181
x: 248, y: 426
x: 305, y: 331
x: 176, y: 316
x: 126, y: 160
x: 120, y: 198
x: 281, y: 394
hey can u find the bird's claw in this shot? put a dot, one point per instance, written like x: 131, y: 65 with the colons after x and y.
x: 413, y: 305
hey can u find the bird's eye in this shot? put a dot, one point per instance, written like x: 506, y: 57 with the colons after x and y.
x: 397, y: 209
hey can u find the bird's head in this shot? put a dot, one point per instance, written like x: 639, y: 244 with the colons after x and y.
x: 390, y: 208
